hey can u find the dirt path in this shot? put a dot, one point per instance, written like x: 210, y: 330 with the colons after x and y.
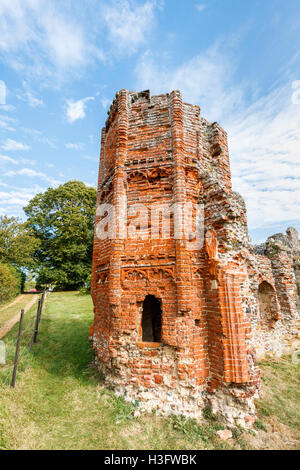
x: 20, y: 297
x: 8, y: 326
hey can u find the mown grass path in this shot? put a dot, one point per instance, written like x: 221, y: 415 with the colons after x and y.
x: 10, y: 314
x: 12, y: 302
x: 60, y: 402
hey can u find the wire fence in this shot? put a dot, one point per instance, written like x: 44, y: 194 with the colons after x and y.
x: 22, y: 349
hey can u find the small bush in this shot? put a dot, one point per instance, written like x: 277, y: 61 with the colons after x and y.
x: 208, y: 414
x: 194, y: 430
x: 123, y: 411
x: 264, y: 411
x: 236, y: 432
x: 86, y: 289
x: 259, y: 425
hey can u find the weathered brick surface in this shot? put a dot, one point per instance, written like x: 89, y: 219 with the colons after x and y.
x: 218, y: 303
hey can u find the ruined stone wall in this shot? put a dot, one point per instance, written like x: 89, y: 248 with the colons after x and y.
x: 274, y: 296
x: 157, y: 151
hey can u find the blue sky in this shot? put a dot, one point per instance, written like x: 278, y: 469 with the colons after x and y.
x: 61, y: 63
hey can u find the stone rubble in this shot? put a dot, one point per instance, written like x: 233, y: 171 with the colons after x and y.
x: 224, y: 435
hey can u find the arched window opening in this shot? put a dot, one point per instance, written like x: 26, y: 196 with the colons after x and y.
x: 151, y: 320
x: 268, y: 306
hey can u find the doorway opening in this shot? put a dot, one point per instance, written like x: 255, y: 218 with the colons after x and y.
x: 267, y: 305
x: 151, y: 320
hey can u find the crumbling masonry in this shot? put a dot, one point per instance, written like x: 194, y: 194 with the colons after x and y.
x: 178, y: 328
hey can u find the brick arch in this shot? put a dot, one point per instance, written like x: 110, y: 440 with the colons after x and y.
x: 136, y: 177
x: 168, y: 306
x: 266, y: 277
x: 268, y: 305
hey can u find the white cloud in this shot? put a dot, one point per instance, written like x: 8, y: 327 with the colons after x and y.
x: 76, y: 109
x: 64, y: 37
x: 200, y: 6
x: 5, y: 158
x: 4, y: 106
x: 11, y: 144
x: 15, y: 198
x: 28, y: 97
x: 129, y: 23
x: 24, y: 171
x: 33, y: 101
x: 71, y: 146
x: 205, y: 79
x: 25, y: 161
x: 30, y: 173
x: 6, y: 123
x: 52, y: 42
x: 91, y: 158
x: 39, y: 38
x: 265, y: 157
x: 105, y: 102
x: 90, y: 185
x: 38, y: 136
x: 7, y: 107
x: 8, y: 119
x: 2, y: 92
x: 264, y: 137
x: 5, y: 126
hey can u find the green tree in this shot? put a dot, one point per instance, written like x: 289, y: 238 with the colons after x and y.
x: 10, y: 282
x: 63, y: 220
x: 17, y: 243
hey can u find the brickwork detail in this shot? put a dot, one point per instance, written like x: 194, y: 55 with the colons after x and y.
x: 220, y: 304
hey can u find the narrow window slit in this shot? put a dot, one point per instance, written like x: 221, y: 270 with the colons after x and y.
x: 151, y: 320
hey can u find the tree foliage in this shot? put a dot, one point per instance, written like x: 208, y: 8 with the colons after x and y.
x: 63, y: 220
x: 10, y: 282
x: 17, y: 243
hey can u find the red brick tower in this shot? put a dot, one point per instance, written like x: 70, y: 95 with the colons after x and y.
x: 170, y: 330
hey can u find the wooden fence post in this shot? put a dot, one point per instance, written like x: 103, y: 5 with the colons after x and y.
x: 42, y: 303
x: 13, y: 380
x: 36, y: 324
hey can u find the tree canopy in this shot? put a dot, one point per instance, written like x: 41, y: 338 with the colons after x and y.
x: 17, y: 243
x: 62, y: 219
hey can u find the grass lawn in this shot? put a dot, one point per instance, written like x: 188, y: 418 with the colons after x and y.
x: 59, y: 401
x: 14, y: 308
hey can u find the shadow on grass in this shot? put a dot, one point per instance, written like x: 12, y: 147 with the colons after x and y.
x: 63, y: 348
